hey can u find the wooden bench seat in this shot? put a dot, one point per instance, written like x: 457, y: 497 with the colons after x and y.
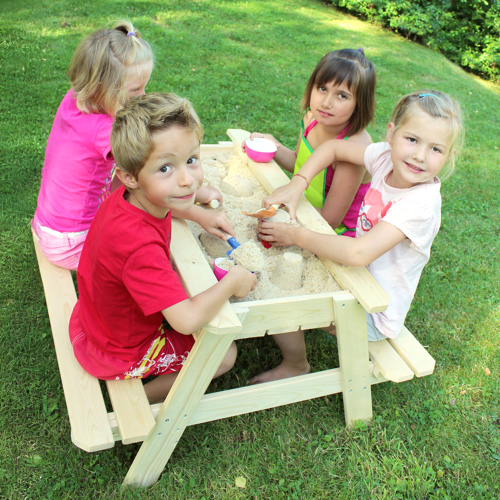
x: 401, y: 358
x: 90, y: 428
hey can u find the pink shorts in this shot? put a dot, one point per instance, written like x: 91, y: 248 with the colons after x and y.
x: 62, y: 249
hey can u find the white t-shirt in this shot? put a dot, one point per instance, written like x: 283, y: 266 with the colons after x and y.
x: 416, y: 211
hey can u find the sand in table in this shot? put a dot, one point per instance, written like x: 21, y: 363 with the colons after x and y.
x: 237, y: 185
x: 225, y: 264
x: 214, y: 246
x: 287, y: 274
x: 249, y: 255
x: 231, y: 168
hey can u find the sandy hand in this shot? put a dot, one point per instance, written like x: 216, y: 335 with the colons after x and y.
x: 217, y: 223
x: 279, y: 234
x: 244, y: 281
x: 207, y: 194
x: 288, y: 195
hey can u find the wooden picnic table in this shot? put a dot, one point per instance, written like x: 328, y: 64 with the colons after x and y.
x: 161, y: 426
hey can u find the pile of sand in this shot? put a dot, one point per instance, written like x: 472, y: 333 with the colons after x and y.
x: 302, y: 273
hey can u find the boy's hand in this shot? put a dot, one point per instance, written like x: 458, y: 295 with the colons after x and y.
x: 280, y: 234
x: 217, y: 223
x: 244, y: 281
x: 288, y: 195
x: 208, y: 193
x: 253, y: 135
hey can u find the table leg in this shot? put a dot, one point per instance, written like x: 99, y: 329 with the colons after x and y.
x: 350, y: 321
x: 175, y: 413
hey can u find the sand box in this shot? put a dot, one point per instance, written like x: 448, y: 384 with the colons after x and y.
x: 314, y: 277
x: 287, y: 274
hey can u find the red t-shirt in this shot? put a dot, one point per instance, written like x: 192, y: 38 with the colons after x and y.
x: 125, y: 280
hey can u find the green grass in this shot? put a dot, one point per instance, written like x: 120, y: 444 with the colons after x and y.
x: 244, y: 65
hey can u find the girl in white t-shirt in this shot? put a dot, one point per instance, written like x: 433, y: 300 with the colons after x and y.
x: 401, y: 212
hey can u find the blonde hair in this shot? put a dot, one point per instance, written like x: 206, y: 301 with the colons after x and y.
x: 438, y: 105
x: 355, y: 69
x: 143, y: 116
x: 101, y: 64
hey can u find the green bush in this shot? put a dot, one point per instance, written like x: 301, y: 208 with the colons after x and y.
x: 467, y: 32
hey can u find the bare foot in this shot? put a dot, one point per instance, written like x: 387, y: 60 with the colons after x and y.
x: 281, y: 371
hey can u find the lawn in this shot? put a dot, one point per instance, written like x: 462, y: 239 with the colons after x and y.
x: 244, y: 64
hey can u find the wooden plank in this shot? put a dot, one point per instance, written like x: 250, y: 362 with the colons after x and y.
x: 225, y: 147
x: 197, y: 276
x: 389, y: 362
x: 259, y: 397
x: 251, y: 335
x: 132, y: 409
x: 357, y: 279
x: 352, y: 341
x: 287, y: 312
x: 413, y: 353
x: 90, y: 429
x: 313, y: 326
x: 177, y: 410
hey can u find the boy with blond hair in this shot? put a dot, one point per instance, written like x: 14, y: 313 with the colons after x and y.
x: 125, y: 279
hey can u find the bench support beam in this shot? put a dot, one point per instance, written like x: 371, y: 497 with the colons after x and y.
x: 352, y: 340
x: 177, y: 410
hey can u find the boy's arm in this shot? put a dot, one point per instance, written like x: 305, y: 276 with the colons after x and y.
x: 206, y: 194
x: 348, y: 251
x: 192, y: 314
x: 213, y: 221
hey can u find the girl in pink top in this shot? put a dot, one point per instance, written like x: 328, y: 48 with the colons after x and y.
x: 108, y: 68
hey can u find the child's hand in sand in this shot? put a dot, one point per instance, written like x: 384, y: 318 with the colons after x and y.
x: 208, y: 193
x: 288, y: 195
x: 217, y: 223
x: 244, y: 281
x: 280, y: 234
x: 269, y: 137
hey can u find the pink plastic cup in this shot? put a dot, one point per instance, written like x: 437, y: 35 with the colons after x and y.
x: 260, y: 150
x: 218, y: 271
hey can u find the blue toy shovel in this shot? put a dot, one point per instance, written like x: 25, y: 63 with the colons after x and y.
x: 219, y: 272
x: 234, y: 244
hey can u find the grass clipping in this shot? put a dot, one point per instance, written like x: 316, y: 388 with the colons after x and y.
x: 241, y: 191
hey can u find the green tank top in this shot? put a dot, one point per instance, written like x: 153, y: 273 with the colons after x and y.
x: 315, y: 193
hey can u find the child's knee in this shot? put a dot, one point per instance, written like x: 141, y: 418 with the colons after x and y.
x: 229, y: 359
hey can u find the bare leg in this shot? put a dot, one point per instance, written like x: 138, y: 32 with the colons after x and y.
x: 157, y: 389
x: 294, y: 363
x: 332, y: 330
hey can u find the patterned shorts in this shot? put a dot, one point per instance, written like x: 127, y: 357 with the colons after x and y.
x: 166, y: 354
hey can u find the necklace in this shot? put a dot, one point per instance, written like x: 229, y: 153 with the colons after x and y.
x: 142, y: 206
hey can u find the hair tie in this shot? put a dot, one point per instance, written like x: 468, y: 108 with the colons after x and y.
x: 424, y: 95
x: 130, y: 33
x: 361, y: 50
